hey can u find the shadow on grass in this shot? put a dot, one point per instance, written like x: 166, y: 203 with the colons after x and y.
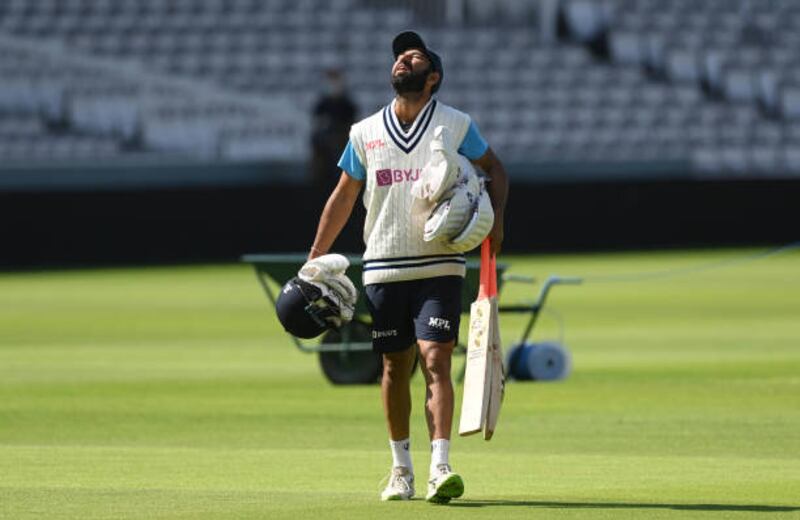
x: 624, y: 505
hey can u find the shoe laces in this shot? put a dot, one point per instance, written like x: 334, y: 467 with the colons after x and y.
x: 443, y: 469
x: 399, y: 477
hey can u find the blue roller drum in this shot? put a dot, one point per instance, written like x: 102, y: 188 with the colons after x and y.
x: 545, y: 361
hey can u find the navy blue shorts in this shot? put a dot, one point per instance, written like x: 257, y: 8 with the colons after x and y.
x: 402, y: 312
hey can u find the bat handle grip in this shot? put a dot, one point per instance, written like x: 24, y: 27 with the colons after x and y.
x: 493, y: 275
x: 488, y: 274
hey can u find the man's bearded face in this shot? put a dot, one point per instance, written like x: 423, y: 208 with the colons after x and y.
x: 410, y: 72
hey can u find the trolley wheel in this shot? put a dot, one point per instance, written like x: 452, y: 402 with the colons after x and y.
x: 351, y: 367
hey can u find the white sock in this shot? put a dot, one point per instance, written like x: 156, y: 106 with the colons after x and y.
x: 401, y: 453
x: 440, y: 453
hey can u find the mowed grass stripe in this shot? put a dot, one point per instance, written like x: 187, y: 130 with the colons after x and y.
x: 173, y: 393
x: 287, y: 470
x: 285, y: 482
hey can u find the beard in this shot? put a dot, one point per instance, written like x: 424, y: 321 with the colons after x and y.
x: 412, y: 82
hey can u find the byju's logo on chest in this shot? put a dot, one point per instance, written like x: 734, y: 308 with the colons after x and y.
x: 388, y: 176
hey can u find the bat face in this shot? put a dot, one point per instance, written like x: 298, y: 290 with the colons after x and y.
x: 495, y: 385
x: 479, y: 325
x: 483, y: 376
x: 475, y: 399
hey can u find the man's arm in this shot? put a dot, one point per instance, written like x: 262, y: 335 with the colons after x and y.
x: 498, y: 193
x: 336, y: 213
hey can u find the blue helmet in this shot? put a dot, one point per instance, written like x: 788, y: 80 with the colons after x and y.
x: 303, y: 309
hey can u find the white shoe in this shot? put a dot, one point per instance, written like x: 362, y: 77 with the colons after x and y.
x: 400, y: 486
x: 444, y: 485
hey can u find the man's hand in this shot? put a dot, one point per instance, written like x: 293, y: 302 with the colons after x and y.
x: 498, y: 192
x: 496, y: 235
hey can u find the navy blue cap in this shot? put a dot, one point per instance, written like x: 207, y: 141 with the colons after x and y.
x: 411, y: 40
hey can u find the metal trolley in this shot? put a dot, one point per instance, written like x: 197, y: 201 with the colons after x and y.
x: 346, y: 356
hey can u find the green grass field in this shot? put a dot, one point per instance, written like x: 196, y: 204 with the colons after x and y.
x: 173, y: 393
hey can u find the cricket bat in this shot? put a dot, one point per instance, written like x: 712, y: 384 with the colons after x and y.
x: 483, y: 377
x: 498, y: 378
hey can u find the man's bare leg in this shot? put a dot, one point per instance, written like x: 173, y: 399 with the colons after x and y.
x: 396, y: 395
x: 396, y: 391
x: 443, y: 484
x: 439, y: 397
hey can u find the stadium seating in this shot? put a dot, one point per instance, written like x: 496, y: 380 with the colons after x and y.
x: 741, y: 55
x: 89, y: 99
x: 713, y: 84
x: 23, y: 136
